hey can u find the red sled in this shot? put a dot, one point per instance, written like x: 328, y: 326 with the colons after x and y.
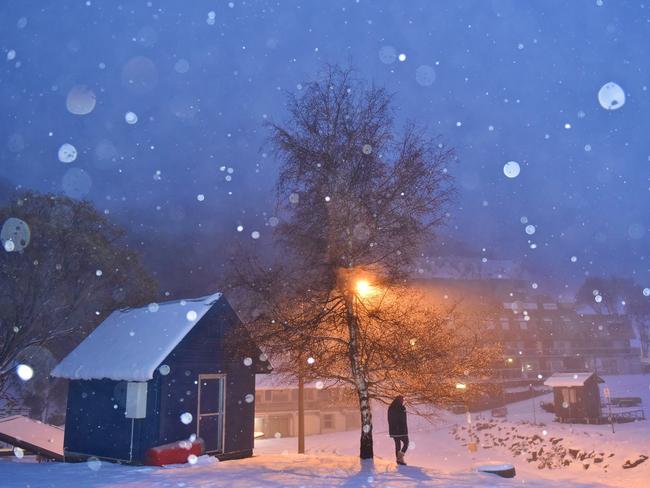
x: 174, y: 453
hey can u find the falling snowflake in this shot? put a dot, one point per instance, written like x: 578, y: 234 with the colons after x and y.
x: 67, y: 153
x: 611, y: 96
x: 24, y: 372
x: 131, y: 118
x: 511, y: 169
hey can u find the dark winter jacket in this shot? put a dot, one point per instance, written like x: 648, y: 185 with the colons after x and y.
x: 397, y: 420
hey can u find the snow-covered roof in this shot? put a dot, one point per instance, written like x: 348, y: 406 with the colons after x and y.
x: 569, y: 379
x: 131, y: 343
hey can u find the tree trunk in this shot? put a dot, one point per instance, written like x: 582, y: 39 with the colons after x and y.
x: 366, y: 445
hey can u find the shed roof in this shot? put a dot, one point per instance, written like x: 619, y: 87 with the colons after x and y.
x: 570, y: 379
x: 131, y: 343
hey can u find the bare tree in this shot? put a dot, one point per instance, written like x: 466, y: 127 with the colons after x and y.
x: 356, y: 202
x: 62, y: 279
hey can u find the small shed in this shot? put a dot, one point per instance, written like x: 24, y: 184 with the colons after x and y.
x: 159, y: 374
x: 576, y: 397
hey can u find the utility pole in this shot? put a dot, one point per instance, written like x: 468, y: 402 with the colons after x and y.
x: 301, y: 412
x: 532, y: 398
x: 301, y: 395
x: 609, y: 407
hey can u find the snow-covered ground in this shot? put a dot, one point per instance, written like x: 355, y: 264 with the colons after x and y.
x: 268, y: 470
x: 438, y: 457
x: 442, y: 446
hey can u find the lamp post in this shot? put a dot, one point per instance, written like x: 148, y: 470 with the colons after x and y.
x: 471, y: 446
x: 301, y: 409
x: 532, y: 399
x: 301, y: 397
x: 301, y: 402
x: 463, y: 387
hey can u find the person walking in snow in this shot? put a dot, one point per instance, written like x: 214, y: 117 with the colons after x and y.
x: 398, y: 429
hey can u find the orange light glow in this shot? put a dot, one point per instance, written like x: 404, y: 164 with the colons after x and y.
x: 364, y: 288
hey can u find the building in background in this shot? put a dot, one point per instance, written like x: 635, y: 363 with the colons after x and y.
x: 540, y: 334
x: 642, y: 327
x: 327, y: 408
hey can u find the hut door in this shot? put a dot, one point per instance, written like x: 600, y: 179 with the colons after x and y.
x: 211, y: 411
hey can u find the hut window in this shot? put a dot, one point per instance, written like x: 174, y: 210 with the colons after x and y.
x: 569, y: 395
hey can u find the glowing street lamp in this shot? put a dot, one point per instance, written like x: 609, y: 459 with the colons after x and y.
x: 364, y: 288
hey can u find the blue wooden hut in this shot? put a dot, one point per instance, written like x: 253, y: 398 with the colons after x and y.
x: 159, y: 374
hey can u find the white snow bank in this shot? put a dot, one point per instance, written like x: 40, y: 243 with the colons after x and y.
x: 130, y: 344
x: 269, y: 471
